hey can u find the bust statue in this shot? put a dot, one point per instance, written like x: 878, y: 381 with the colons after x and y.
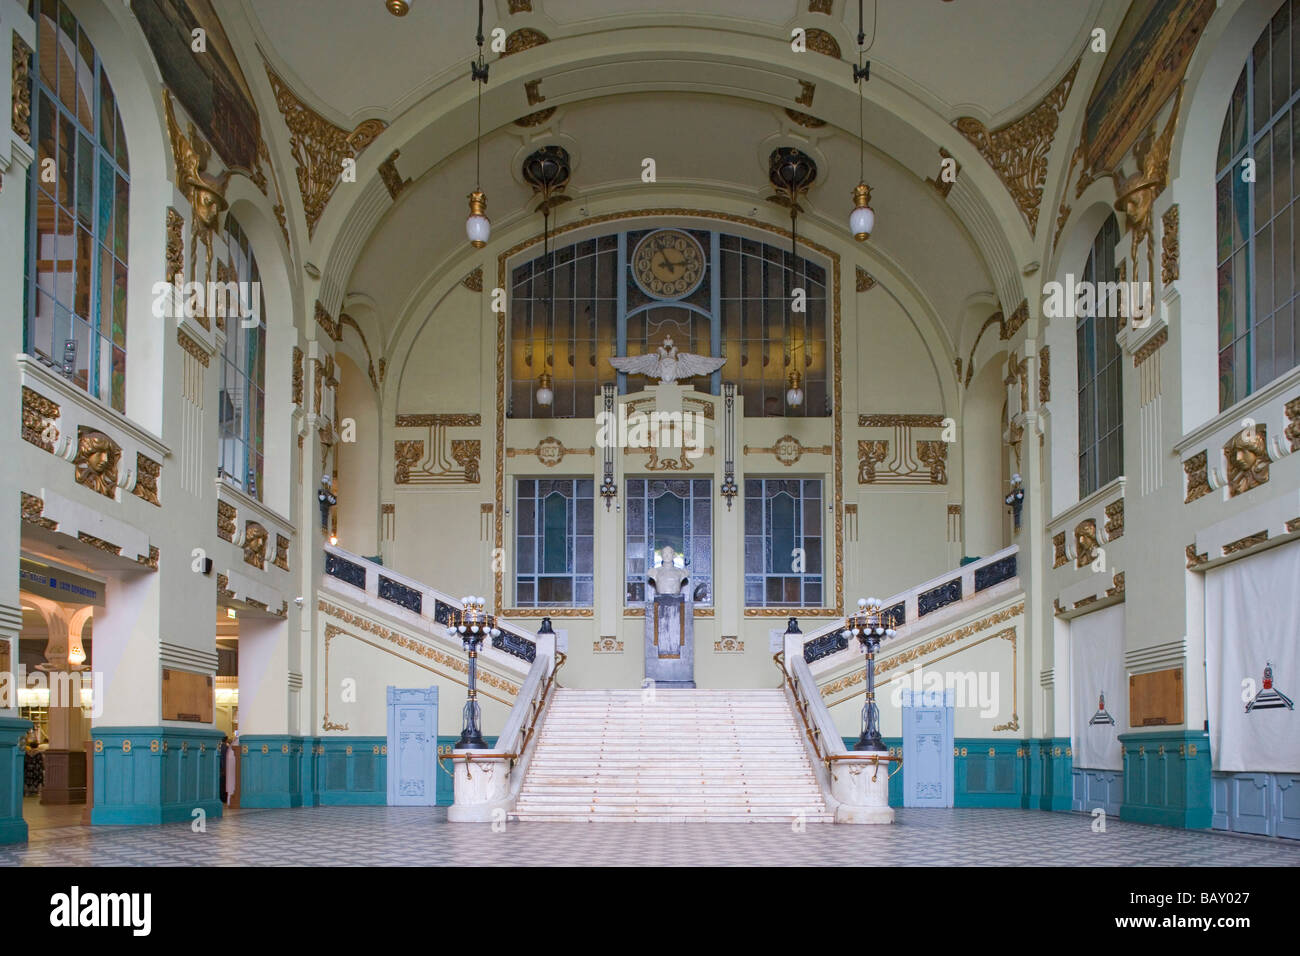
x: 669, y: 573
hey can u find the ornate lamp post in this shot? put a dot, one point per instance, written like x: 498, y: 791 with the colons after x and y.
x: 472, y: 624
x: 326, y: 498
x: 870, y: 626
x: 1015, y: 499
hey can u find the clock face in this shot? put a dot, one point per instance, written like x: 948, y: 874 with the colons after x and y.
x: 668, y: 264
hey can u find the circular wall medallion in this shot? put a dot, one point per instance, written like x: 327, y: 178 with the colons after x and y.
x: 668, y: 264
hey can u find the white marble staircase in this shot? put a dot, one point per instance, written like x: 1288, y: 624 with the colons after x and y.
x: 726, y: 756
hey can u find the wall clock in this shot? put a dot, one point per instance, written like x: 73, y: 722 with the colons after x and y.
x: 668, y: 264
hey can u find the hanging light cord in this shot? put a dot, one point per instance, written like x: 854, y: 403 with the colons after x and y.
x: 478, y: 72
x: 861, y: 74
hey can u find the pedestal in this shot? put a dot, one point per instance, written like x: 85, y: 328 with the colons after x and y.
x: 862, y: 787
x: 675, y: 612
x: 481, y: 785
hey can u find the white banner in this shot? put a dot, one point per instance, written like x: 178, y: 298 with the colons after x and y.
x: 1098, y: 689
x: 1252, y: 662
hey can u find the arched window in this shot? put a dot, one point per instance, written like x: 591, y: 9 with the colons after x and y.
x: 1101, y: 387
x: 1258, y: 219
x: 74, y: 297
x: 242, y: 404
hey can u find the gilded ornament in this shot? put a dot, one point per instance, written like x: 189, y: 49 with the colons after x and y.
x: 525, y: 38
x: 146, y: 482
x: 32, y: 508
x: 474, y: 281
x: 319, y: 148
x: 175, y: 251
x: 327, y: 323
x: 1196, y: 469
x: 806, y: 93
x: 39, y: 416
x: 406, y: 454
x: 865, y: 280
x: 871, y: 452
x: 206, y: 193
x: 1249, y: 541
x: 1169, y: 245
x: 100, y: 543
x: 1059, y: 557
x: 941, y: 184
x: 1246, y: 453
x: 1018, y: 319
x: 729, y: 645
x: 466, y: 452
x: 819, y: 6
x: 934, y: 455
x: 788, y: 450
x: 1194, y: 559
x: 1150, y: 347
x: 806, y: 120
x: 1292, y: 432
x: 1115, y: 519
x: 150, y: 560
x: 348, y: 321
x: 1018, y: 151
x: 536, y: 119
x: 819, y: 41
x: 226, y: 526
x: 551, y: 451
x: 521, y: 6
x: 393, y: 180
x: 22, y: 90
x: 1117, y: 584
x: 281, y: 552
x: 1086, y: 546
x: 192, y: 348
x: 1137, y: 193
x: 533, y: 91
x: 255, y: 538
x: 607, y: 645
x: 297, y: 376
x: 904, y: 420
x: 1044, y: 375
x: 97, y: 460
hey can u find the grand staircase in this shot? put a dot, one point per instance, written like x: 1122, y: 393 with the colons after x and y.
x: 724, y: 756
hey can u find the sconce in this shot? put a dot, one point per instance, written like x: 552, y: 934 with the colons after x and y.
x: 1015, y: 499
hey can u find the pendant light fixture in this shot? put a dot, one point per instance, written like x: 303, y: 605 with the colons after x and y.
x: 863, y: 218
x: 478, y: 227
x: 547, y: 171
x: 792, y: 172
x: 398, y: 8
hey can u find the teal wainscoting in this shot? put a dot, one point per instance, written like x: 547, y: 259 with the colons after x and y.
x: 13, y: 829
x: 352, y: 771
x: 1167, y: 779
x: 1051, y: 766
x: 154, y: 774
x: 271, y: 770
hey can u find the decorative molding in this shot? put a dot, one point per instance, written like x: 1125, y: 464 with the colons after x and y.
x: 1169, y: 245
x: 1086, y: 545
x: 194, y: 349
x: 98, y: 457
x: 934, y: 454
x: 226, y: 521
x: 150, y: 560
x: 1150, y: 347
x: 1018, y: 319
x: 474, y: 281
x: 806, y: 120
x: 930, y: 466
x: 1018, y: 151
x: 1059, y: 557
x: 453, y: 420
x: 22, y: 89
x: 393, y: 180
x: 1115, y: 519
x: 683, y: 462
x: 451, y: 461
x: 550, y: 451
x: 32, y: 508
x: 819, y: 6
x: 1044, y: 375
x: 788, y: 450
x: 100, y: 543
x: 405, y: 456
x: 525, y: 38
x: 1246, y: 454
x: 326, y: 321
x: 1249, y: 541
x: 319, y: 148
x: 954, y: 510
x: 147, y: 472
x: 729, y: 645
x: 297, y: 376
x: 1196, y: 469
x: 175, y: 249
x: 39, y: 416
x: 607, y: 645
x: 1194, y: 559
x: 865, y: 280
x: 900, y: 420
x: 347, y: 320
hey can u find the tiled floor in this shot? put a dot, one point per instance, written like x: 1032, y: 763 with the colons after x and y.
x: 359, y: 836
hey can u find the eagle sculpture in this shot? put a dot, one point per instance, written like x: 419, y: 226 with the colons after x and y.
x: 667, y: 364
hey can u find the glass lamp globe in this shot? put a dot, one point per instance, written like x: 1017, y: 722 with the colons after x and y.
x: 863, y: 219
x: 477, y: 227
x: 544, y: 394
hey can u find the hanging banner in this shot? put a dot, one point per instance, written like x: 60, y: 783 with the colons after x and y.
x: 1252, y: 662
x: 1098, y: 689
x: 55, y: 583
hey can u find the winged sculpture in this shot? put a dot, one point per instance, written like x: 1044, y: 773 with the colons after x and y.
x: 667, y: 364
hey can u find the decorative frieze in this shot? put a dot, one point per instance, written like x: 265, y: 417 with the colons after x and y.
x: 900, y: 421
x: 319, y: 148
x: 729, y: 645
x: 607, y: 645
x: 1018, y: 151
x: 1241, y: 544
x: 1196, y: 470
x: 1115, y: 519
x: 1246, y: 453
x: 146, y: 479
x: 1150, y: 347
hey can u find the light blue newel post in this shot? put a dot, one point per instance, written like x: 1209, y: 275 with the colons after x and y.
x: 412, y: 746
x: 927, y: 747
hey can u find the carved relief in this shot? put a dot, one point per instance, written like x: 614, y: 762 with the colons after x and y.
x: 281, y: 552
x: 225, y: 521
x: 1247, y: 455
x: 1169, y: 245
x: 327, y: 323
x: 465, y: 452
x: 150, y: 560
x: 1150, y: 347
x: 819, y: 41
x: 255, y: 539
x: 297, y: 376
x: 806, y: 120
x: 319, y: 148
x: 175, y: 254
x: 789, y: 450
x: 1115, y: 519
x: 32, y: 512
x: 406, y: 454
x: 1292, y: 432
x: 106, y: 546
x: 865, y: 281
x: 1196, y: 469
x: 1018, y: 151
x: 1044, y: 375
x: 97, y: 460
x: 871, y: 452
x: 192, y: 348
x: 729, y: 645
x: 934, y: 454
x: 449, y: 461
x: 206, y: 193
x: 39, y: 415
x: 1138, y: 192
x: 525, y: 38
x: 607, y: 645
x: 1117, y: 584
x: 474, y: 281
x: 1249, y: 541
x: 1085, y: 542
x: 1018, y: 319
x: 393, y: 180
x: 146, y: 482
x: 1059, y: 557
x: 22, y: 89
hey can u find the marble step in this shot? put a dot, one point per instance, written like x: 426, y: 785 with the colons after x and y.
x: 576, y: 816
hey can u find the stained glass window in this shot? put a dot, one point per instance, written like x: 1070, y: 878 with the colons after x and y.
x: 1257, y: 217
x: 77, y: 222
x: 1101, y: 385
x: 242, y: 402
x: 783, y: 542
x: 669, y: 511
x: 554, y: 557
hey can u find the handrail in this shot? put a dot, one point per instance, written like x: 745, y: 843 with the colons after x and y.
x: 807, y: 709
